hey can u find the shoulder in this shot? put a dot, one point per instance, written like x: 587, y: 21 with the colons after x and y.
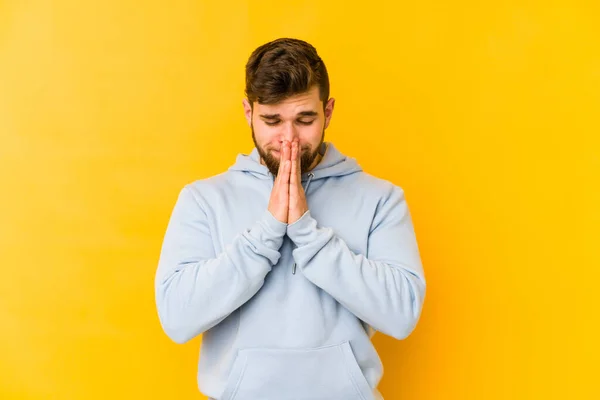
x: 378, y: 187
x: 200, y: 189
x: 208, y: 183
x: 217, y: 187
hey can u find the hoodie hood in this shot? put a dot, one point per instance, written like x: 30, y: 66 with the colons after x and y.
x: 333, y: 164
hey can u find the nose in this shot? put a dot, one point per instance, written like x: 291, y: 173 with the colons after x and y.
x: 288, y: 132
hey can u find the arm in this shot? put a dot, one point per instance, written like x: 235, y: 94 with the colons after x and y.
x: 196, y: 289
x: 385, y: 290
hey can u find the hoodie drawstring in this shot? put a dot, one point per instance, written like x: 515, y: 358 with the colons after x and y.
x: 310, y: 176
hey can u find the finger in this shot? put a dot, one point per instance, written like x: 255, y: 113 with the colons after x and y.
x: 281, y: 160
x: 299, y: 166
x: 280, y: 169
x: 285, y: 157
x: 285, y: 153
x: 285, y: 176
x: 294, y: 160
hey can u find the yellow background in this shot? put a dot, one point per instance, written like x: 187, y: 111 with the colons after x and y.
x: 486, y: 113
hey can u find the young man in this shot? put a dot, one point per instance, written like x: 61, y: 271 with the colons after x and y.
x: 291, y: 260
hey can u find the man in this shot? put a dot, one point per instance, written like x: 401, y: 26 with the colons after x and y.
x: 290, y: 261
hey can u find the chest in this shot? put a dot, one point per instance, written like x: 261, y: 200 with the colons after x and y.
x: 237, y: 208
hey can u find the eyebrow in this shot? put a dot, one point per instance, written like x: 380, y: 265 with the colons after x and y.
x: 300, y: 114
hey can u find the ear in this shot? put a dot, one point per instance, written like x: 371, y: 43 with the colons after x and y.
x: 247, y: 111
x: 329, y: 111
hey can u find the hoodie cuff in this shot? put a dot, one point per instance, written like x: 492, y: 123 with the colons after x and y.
x: 305, y: 232
x: 272, y: 231
x: 266, y: 236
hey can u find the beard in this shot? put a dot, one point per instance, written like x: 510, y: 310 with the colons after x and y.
x: 307, y: 156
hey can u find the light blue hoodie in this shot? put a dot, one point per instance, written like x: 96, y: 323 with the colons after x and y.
x: 288, y: 311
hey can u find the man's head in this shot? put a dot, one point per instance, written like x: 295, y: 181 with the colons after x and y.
x: 287, y: 90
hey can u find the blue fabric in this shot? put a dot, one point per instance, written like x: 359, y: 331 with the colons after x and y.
x: 288, y: 311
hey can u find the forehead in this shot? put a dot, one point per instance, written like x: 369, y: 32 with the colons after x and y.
x: 307, y: 101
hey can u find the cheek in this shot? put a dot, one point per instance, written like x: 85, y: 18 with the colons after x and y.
x: 269, y: 142
x: 312, y: 135
x: 262, y: 134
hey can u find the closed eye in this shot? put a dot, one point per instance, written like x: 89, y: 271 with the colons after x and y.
x: 273, y: 123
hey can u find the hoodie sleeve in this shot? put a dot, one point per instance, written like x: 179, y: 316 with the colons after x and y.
x: 386, y: 289
x: 195, y: 288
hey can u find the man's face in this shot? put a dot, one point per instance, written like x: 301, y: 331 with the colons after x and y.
x: 298, y: 117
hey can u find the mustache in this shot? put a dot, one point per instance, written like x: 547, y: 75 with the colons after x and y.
x: 302, y: 149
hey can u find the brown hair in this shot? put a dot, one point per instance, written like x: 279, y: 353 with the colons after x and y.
x: 282, y: 68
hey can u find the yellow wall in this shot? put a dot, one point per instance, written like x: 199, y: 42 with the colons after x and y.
x: 486, y: 113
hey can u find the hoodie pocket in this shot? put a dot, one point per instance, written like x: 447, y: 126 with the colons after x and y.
x: 323, y: 373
